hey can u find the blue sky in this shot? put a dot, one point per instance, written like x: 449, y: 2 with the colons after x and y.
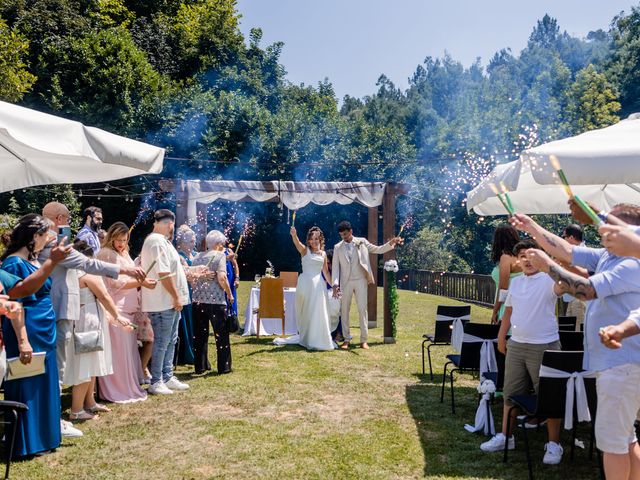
x: 352, y: 42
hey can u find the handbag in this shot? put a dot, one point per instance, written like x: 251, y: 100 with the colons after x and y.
x: 90, y: 339
x: 232, y: 321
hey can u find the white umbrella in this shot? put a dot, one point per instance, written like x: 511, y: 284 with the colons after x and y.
x: 601, y: 165
x: 528, y: 196
x: 41, y: 149
x: 603, y: 156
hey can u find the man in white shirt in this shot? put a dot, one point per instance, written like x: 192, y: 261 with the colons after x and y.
x: 161, y: 260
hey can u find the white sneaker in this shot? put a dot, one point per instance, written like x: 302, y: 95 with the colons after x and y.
x: 496, y: 444
x: 175, y: 384
x: 552, y: 453
x: 159, y: 388
x: 68, y: 430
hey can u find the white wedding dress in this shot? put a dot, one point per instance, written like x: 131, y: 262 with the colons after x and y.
x: 312, y: 313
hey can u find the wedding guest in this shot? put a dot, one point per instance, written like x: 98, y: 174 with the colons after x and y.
x: 164, y: 303
x: 612, y: 291
x: 210, y: 304
x: 90, y: 232
x: 185, y: 244
x: 123, y: 385
x: 65, y: 291
x: 530, y: 309
x: 84, y: 367
x: 233, y: 277
x: 505, y: 237
x: 575, y: 308
x: 37, y: 429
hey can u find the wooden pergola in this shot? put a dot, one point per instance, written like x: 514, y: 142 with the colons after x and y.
x: 195, y: 195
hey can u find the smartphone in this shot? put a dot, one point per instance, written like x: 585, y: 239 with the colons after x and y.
x: 64, y: 232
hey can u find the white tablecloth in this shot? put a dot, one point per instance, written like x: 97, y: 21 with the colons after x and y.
x: 271, y: 326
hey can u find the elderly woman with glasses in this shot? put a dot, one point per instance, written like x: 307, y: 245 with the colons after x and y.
x: 210, y: 305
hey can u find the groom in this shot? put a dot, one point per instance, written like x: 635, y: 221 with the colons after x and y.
x: 352, y: 274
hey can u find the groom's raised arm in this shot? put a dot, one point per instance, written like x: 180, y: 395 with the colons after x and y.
x: 335, y: 269
x: 387, y: 247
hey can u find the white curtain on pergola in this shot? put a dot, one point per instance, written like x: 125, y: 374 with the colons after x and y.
x: 294, y: 195
x: 602, y: 166
x: 41, y: 149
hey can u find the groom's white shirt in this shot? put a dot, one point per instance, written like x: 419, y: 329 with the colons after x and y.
x: 341, y: 266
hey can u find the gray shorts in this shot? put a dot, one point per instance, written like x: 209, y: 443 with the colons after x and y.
x: 522, y: 366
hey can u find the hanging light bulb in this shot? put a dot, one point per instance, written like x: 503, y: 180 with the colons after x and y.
x: 80, y: 193
x: 106, y: 188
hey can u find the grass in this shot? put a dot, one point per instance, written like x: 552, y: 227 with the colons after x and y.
x: 287, y: 413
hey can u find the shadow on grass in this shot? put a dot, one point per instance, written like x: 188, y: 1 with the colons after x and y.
x: 449, y: 450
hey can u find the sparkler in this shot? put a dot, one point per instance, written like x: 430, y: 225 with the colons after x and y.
x: 505, y: 193
x: 558, y: 168
x: 504, y: 202
x: 293, y: 218
x: 153, y: 264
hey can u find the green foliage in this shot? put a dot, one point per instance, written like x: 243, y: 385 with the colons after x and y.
x: 593, y: 101
x: 624, y: 65
x: 394, y: 302
x: 15, y: 78
x: 428, y: 251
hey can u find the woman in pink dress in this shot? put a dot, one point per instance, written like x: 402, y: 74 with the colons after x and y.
x: 123, y: 386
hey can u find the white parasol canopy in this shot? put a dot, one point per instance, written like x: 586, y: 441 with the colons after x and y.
x: 41, y: 149
x: 601, y: 166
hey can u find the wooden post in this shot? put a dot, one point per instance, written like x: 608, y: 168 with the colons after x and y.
x: 372, y: 294
x: 388, y: 231
x: 181, y: 202
x: 201, y: 215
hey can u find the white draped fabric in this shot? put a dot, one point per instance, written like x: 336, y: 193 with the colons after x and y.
x: 576, y: 393
x: 41, y: 149
x: 488, y: 362
x: 294, y: 195
x: 484, y: 415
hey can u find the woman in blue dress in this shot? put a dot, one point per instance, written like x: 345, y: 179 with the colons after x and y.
x: 185, y: 243
x: 233, y: 275
x: 38, y: 429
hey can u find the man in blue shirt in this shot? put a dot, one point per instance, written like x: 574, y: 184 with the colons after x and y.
x: 92, y: 225
x: 613, y: 291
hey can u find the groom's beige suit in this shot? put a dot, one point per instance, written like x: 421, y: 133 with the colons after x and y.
x: 351, y: 271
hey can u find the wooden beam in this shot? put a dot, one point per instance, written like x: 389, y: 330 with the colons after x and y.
x: 201, y: 209
x: 372, y: 294
x: 181, y: 202
x: 388, y: 232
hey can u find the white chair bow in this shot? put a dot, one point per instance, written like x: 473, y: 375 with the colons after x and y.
x: 576, y: 393
x: 488, y: 362
x: 484, y: 415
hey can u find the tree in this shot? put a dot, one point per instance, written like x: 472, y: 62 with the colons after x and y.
x: 593, y: 102
x: 624, y: 66
x: 428, y: 251
x: 15, y: 78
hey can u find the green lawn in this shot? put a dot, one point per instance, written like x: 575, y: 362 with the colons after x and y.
x: 288, y: 413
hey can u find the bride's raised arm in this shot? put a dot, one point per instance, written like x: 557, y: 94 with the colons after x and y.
x: 296, y: 241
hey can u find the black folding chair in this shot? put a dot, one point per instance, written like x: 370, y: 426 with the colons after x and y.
x: 571, y: 341
x: 567, y: 324
x: 469, y: 358
x: 445, y: 316
x: 550, y: 401
x: 11, y: 411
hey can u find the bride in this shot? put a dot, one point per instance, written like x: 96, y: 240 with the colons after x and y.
x: 311, y: 295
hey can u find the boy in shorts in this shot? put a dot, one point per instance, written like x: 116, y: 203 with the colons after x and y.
x: 530, y: 314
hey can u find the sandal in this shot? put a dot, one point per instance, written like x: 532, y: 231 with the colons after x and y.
x: 81, y: 416
x: 98, y: 407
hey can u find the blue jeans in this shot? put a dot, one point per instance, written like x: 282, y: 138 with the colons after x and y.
x: 165, y: 336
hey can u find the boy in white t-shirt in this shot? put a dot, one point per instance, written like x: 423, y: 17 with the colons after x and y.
x: 530, y: 314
